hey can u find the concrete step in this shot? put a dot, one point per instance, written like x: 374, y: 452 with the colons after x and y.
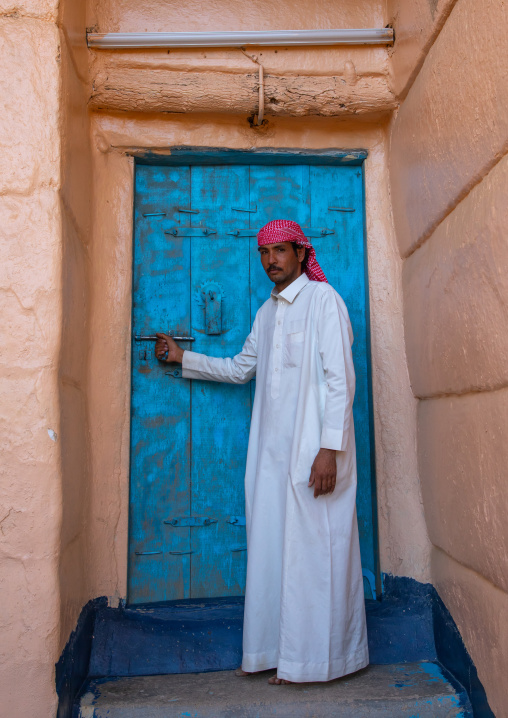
x: 411, y: 690
x: 192, y: 636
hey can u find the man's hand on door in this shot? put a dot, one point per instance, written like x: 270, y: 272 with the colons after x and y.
x: 323, y: 474
x: 167, y: 345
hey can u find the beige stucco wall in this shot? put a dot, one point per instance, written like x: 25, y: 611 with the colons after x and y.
x: 449, y: 174
x: 417, y: 23
x: 30, y: 285
x: 159, y: 15
x: 196, y: 16
x: 45, y: 207
x: 76, y: 207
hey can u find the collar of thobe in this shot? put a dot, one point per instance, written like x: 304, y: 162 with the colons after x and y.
x: 293, y: 290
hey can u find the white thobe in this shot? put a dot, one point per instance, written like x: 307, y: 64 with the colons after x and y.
x: 304, y: 605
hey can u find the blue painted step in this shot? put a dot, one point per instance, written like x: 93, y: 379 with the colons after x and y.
x: 207, y: 636
x: 412, y: 690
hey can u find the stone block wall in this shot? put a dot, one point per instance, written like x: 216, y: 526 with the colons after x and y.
x: 449, y: 173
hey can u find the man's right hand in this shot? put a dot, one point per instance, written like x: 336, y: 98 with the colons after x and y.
x: 167, y: 345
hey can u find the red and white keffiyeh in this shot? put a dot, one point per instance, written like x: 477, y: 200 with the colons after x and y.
x: 284, y: 230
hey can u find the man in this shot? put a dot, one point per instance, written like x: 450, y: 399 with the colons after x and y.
x: 304, y: 608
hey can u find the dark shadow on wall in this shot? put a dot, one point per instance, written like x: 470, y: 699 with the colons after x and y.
x: 73, y: 665
x: 76, y: 213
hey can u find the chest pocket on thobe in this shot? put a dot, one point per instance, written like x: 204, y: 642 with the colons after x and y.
x: 293, y: 350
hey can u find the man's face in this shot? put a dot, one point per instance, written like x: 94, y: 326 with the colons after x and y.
x: 281, y: 263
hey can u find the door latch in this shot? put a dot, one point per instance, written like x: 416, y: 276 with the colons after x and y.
x: 213, y: 318
x: 153, y: 338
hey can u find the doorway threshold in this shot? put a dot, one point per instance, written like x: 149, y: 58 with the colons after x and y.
x: 198, y: 635
x: 397, y: 691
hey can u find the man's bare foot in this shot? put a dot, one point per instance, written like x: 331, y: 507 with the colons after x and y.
x: 276, y: 681
x: 241, y: 673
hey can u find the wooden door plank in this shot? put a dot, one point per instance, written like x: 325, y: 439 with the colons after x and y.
x: 160, y: 476
x: 220, y: 412
x: 278, y: 192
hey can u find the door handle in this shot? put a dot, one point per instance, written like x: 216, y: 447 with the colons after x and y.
x: 153, y: 338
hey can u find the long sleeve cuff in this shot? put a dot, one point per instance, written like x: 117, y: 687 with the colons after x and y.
x: 333, y: 439
x: 192, y: 365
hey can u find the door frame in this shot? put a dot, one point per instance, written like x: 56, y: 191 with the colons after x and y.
x: 203, y: 156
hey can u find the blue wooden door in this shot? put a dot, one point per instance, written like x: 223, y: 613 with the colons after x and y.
x: 197, y: 273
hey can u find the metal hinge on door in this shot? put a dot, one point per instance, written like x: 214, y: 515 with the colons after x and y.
x: 236, y: 520
x: 311, y: 232
x: 190, y: 521
x: 190, y: 231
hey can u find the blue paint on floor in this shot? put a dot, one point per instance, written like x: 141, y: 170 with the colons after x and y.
x: 410, y: 621
x: 72, y: 669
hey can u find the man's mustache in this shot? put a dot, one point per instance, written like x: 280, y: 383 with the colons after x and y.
x: 274, y: 266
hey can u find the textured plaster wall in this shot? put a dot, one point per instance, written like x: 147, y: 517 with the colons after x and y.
x: 45, y: 208
x: 196, y: 16
x: 109, y: 369
x: 453, y: 126
x: 164, y: 15
x: 76, y: 208
x: 403, y: 540
x: 449, y: 177
x: 417, y: 23
x: 298, y: 81
x: 30, y: 286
